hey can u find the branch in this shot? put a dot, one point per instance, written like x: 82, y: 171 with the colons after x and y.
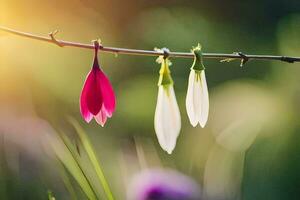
x: 227, y: 57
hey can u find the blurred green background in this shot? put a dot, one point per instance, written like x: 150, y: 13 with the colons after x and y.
x: 250, y: 148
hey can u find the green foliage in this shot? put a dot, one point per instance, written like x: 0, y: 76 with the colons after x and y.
x: 66, y: 153
x: 69, y: 157
x: 50, y: 196
x: 92, y: 156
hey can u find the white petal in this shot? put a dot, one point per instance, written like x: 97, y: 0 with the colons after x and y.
x: 197, y: 101
x: 204, y: 101
x: 167, y: 122
x: 189, y: 102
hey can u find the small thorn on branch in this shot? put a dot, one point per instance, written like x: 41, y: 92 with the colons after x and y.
x: 54, y: 40
x: 244, y: 58
x: 288, y: 59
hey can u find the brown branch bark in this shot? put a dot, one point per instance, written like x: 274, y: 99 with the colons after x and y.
x: 62, y: 43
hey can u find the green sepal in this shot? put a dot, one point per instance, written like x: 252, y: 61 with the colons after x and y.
x: 166, y: 88
x: 198, y: 75
x: 165, y: 74
x: 198, y: 59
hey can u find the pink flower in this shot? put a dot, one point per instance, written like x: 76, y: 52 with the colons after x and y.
x: 97, y: 97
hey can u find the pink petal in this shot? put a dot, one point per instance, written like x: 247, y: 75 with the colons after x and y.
x: 83, y: 105
x: 101, y: 117
x: 85, y: 113
x: 109, y: 100
x: 93, y: 97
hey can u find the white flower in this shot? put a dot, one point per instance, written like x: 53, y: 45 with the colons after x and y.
x: 197, y: 101
x: 167, y: 122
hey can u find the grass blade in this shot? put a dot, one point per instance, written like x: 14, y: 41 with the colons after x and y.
x: 92, y: 156
x: 67, y: 156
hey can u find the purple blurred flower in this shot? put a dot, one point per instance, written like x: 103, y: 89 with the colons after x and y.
x: 161, y: 184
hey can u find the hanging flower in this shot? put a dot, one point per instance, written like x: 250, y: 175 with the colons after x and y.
x: 167, y: 122
x: 197, y: 101
x: 97, y: 97
x: 162, y: 184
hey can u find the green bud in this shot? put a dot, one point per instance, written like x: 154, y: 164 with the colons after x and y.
x: 198, y: 61
x: 165, y: 73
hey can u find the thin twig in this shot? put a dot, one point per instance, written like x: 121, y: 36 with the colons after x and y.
x: 115, y: 50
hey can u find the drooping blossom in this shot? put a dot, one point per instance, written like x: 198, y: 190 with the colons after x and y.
x: 97, y: 98
x: 167, y: 121
x: 197, y: 100
x: 158, y: 184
